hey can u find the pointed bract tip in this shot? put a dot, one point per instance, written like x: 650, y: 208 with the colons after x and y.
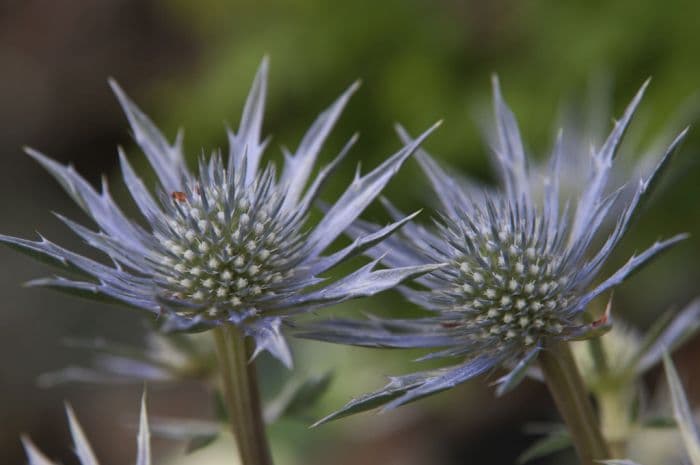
x: 35, y: 154
x: 117, y: 89
x: 263, y: 68
x: 354, y: 86
x: 400, y: 130
x: 642, y: 89
x: 70, y: 413
x: 684, y: 132
x: 496, y: 84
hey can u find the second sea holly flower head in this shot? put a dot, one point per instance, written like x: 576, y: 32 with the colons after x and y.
x: 228, y: 244
x: 522, y: 264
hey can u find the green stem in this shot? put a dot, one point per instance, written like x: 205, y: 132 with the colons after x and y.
x: 242, y: 396
x: 571, y: 398
x: 616, y: 405
x: 600, y: 360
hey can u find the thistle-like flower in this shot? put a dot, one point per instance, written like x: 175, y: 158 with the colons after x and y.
x: 229, y: 244
x: 520, y: 268
x: 82, y: 447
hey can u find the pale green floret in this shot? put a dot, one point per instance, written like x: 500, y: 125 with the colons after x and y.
x: 514, y: 293
x: 223, y: 253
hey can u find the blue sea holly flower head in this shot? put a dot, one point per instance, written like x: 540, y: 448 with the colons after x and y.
x: 229, y: 244
x: 521, y: 267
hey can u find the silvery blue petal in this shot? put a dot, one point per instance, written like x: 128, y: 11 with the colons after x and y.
x: 297, y: 167
x: 685, y: 418
x: 322, y: 177
x: 143, y: 199
x: 82, y: 447
x: 359, y: 245
x: 444, y: 381
x: 246, y: 147
x: 602, y: 161
x: 361, y: 192
x: 143, y: 452
x: 361, y: 283
x: 268, y: 337
x: 35, y: 456
x: 166, y: 160
x: 447, y: 188
x: 510, y: 152
x: 378, y: 332
x: 100, y: 207
x: 679, y: 330
x: 397, y: 386
x: 632, y: 265
x: 512, y: 379
x: 80, y: 443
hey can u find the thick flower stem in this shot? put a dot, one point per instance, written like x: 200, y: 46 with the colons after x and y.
x: 571, y: 398
x: 242, y: 396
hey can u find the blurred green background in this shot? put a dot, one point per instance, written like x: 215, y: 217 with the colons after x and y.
x: 190, y: 64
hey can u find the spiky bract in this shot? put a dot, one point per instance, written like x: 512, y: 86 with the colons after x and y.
x: 82, y: 447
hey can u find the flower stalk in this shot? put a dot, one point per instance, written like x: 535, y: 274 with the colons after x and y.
x: 571, y: 398
x: 241, y: 394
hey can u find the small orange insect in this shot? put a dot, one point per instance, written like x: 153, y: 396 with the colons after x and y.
x: 179, y: 196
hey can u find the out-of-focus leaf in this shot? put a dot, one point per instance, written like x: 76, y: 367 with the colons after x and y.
x: 682, y: 412
x: 618, y: 462
x: 165, y: 359
x: 297, y: 397
x: 220, y: 406
x: 669, y: 336
x: 184, y: 429
x: 659, y: 422
x: 554, y: 442
x: 197, y: 433
x: 200, y: 442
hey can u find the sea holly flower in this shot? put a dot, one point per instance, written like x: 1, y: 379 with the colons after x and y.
x: 82, y: 448
x: 228, y: 244
x: 521, y: 267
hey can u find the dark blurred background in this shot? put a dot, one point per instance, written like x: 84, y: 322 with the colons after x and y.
x: 190, y: 64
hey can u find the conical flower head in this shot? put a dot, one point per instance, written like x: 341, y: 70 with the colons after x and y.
x: 520, y: 266
x: 229, y: 243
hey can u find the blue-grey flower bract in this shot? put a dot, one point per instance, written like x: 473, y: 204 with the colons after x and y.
x: 81, y: 445
x: 521, y: 264
x: 229, y: 243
